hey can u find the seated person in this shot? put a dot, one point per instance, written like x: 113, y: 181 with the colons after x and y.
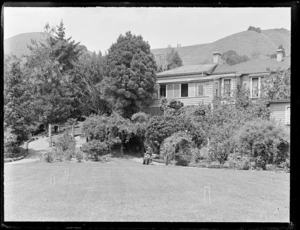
x: 147, y: 156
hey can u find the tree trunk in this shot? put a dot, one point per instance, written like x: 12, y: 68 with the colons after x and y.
x: 50, y: 136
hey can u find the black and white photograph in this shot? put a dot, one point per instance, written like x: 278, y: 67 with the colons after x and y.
x: 146, y: 114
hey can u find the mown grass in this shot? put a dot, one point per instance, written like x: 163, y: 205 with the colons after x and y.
x: 124, y: 190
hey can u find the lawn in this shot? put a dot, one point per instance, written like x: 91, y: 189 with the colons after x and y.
x: 125, y: 190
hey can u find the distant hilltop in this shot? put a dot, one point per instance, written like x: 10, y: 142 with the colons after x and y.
x: 254, y: 44
x: 251, y: 43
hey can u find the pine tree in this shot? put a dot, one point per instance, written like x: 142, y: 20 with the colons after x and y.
x: 130, y: 74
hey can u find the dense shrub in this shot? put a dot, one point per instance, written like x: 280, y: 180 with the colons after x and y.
x: 49, y: 156
x: 177, y: 146
x: 263, y: 140
x: 65, y: 143
x: 79, y: 155
x: 64, y: 148
x: 139, y: 126
x: 170, y: 106
x: 14, y: 151
x: 11, y: 145
x: 95, y: 149
x: 95, y: 127
x: 160, y: 128
x: 182, y: 162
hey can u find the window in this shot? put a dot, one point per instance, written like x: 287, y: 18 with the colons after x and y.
x: 173, y: 90
x: 162, y: 91
x: 200, y: 89
x: 227, y: 87
x: 254, y: 88
x: 216, y: 89
x: 287, y: 115
x: 184, y: 90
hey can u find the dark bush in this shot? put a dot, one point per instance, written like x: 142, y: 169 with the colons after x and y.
x: 160, y: 128
x: 182, y: 162
x: 95, y: 149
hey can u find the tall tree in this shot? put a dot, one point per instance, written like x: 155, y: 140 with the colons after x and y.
x: 48, y: 69
x: 88, y: 89
x: 18, y: 112
x: 130, y: 70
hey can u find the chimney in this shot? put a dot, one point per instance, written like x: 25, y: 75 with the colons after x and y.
x: 216, y: 58
x: 279, y: 55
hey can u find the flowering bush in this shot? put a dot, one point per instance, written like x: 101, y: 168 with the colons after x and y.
x: 265, y: 141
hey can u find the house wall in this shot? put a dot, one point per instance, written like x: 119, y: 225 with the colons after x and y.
x: 192, y: 99
x: 278, y: 111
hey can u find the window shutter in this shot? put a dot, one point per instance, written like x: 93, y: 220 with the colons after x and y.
x: 176, y: 90
x: 170, y: 92
x: 192, y: 89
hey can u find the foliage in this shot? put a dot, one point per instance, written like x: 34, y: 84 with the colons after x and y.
x: 237, y: 162
x: 139, y: 124
x: 277, y: 86
x: 87, y: 83
x: 173, y: 59
x: 95, y: 127
x: 178, y: 143
x: 95, y: 149
x: 65, y: 143
x: 79, y: 155
x: 112, y: 130
x: 264, y: 141
x: 19, y: 113
x: 120, y: 129
x: 256, y: 29
x: 160, y: 128
x: 170, y: 106
x: 48, y: 70
x: 49, y: 157
x: 182, y: 162
x: 232, y: 58
x: 10, y: 139
x: 64, y: 147
x: 130, y: 69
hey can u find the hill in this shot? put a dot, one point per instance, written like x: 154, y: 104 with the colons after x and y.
x: 254, y: 45
x: 17, y: 45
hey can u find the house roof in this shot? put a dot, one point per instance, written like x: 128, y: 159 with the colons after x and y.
x: 250, y: 67
x: 188, y: 70
x: 254, y: 66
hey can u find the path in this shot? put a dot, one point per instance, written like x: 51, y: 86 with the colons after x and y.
x: 39, y: 147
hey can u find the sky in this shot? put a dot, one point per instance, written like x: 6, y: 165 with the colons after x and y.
x: 98, y: 27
